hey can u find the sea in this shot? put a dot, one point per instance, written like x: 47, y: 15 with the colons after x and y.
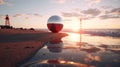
x: 89, y: 48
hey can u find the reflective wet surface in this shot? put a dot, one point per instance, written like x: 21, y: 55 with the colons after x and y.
x: 93, y: 51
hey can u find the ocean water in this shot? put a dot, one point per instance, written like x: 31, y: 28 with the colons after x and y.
x: 93, y: 48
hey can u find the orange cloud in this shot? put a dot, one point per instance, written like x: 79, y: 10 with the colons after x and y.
x: 2, y: 2
x: 61, y: 1
x: 6, y: 3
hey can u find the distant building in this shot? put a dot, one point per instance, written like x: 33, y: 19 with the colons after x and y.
x: 5, y: 27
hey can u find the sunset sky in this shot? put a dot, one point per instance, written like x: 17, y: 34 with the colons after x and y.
x: 35, y: 13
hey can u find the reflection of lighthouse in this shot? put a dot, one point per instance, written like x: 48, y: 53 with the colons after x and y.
x: 7, y: 21
x: 55, y: 45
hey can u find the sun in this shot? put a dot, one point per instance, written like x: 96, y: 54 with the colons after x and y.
x: 75, y: 27
x: 73, y: 24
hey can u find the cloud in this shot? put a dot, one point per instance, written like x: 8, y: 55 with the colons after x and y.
x: 2, y: 16
x: 67, y: 20
x: 38, y: 15
x: 58, y: 1
x: 92, y: 12
x: 115, y: 11
x: 72, y: 14
x: 87, y: 18
x: 77, y: 15
x: 109, y: 16
x: 85, y: 14
x: 27, y: 16
x: 17, y: 15
x: 2, y: 2
x: 92, y: 2
x: 6, y: 3
x: 61, y: 1
x: 108, y: 13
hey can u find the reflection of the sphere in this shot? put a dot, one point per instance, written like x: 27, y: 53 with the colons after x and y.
x: 55, y: 45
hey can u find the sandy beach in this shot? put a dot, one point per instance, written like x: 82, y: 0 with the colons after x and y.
x: 16, y: 46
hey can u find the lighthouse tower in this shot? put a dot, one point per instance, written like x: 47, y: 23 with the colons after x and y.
x: 7, y: 21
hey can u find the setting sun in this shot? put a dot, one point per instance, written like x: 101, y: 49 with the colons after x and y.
x: 75, y: 24
x: 75, y: 28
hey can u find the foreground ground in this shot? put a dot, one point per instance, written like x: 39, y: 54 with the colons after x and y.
x: 16, y: 46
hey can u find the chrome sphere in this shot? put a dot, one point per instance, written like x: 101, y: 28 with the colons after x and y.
x: 55, y: 24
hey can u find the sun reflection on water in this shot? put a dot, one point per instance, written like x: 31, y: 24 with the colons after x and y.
x: 73, y: 38
x: 94, y: 40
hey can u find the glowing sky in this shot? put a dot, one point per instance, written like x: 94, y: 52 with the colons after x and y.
x: 35, y: 13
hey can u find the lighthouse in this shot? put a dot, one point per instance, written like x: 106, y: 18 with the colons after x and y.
x: 7, y: 21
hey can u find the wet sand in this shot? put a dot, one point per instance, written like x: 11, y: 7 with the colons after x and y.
x: 16, y: 46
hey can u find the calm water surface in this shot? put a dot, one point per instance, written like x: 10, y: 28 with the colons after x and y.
x: 92, y: 51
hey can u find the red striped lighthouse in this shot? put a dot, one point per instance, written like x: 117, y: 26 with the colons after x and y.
x: 7, y: 21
